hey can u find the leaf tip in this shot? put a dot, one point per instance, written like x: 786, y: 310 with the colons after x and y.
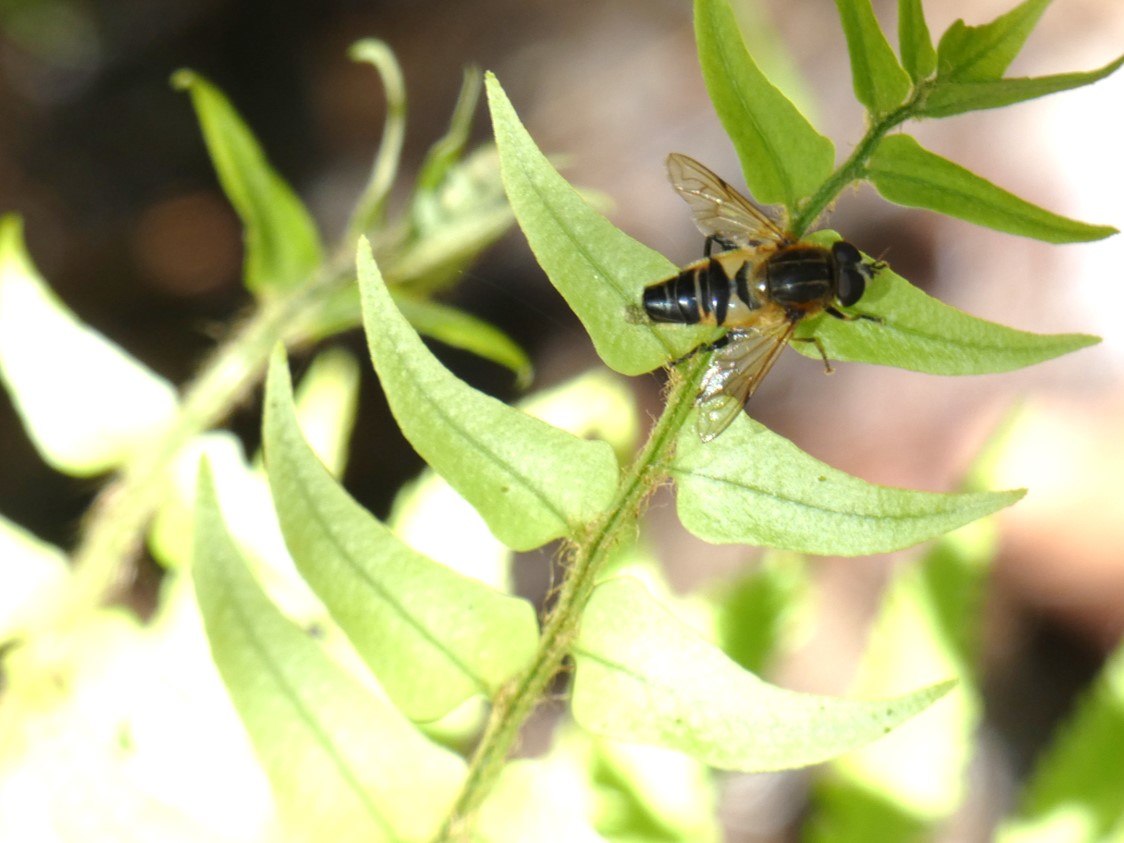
x: 183, y: 79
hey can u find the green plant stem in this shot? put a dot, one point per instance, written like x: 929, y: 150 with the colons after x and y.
x: 854, y: 167
x: 115, y: 526
x: 588, y: 554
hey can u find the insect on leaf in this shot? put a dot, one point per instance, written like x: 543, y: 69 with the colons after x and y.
x: 906, y: 173
x: 529, y: 480
x: 282, y: 244
x: 597, y: 268
x: 643, y: 676
x: 881, y: 83
x: 432, y: 636
x: 783, y: 157
x: 325, y: 741
x: 923, y: 334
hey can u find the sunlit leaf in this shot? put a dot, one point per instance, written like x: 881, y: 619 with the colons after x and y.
x: 344, y: 764
x: 918, y: 56
x: 783, y: 157
x: 643, y: 676
x: 462, y: 330
x: 881, y: 83
x: 33, y: 576
x: 751, y: 486
x: 535, y: 800
x: 86, y: 404
x: 908, y: 174
x: 431, y: 636
x: 946, y: 98
x: 282, y: 244
x: 973, y: 53
x: 597, y: 268
x: 924, y: 334
x: 530, y: 481
x: 928, y: 625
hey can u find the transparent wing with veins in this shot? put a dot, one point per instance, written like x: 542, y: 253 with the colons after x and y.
x: 735, y: 371
x: 719, y: 210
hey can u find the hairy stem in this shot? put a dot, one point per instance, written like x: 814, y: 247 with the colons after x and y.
x: 854, y: 167
x: 515, y: 704
x: 115, y: 526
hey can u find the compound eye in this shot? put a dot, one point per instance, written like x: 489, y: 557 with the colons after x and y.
x: 846, y: 254
x: 852, y: 285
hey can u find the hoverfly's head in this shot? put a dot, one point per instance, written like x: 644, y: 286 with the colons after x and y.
x: 853, y: 272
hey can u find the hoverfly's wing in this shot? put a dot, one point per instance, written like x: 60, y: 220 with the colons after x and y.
x: 718, y: 209
x: 735, y: 371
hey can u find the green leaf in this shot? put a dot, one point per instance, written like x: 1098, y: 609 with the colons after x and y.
x: 1074, y: 792
x: 928, y: 625
x: 538, y: 801
x: 756, y: 613
x: 751, y: 486
x: 447, y: 150
x: 343, y: 763
x: 433, y: 637
x: 33, y: 579
x: 918, y: 56
x: 282, y: 245
x: 976, y: 53
x: 530, y: 481
x: 450, y: 224
x: 87, y: 405
x: 906, y: 173
x: 947, y: 98
x: 597, y: 268
x: 462, y: 330
x: 923, y: 334
x: 326, y: 401
x: 371, y: 207
x: 643, y: 676
x: 881, y: 83
x: 783, y: 157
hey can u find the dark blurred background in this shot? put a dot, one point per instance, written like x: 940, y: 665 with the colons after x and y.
x: 123, y: 216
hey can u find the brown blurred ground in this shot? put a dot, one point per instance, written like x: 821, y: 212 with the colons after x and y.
x: 123, y: 216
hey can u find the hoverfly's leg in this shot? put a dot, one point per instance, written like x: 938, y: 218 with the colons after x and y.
x: 724, y: 245
x: 819, y: 347
x: 853, y: 317
x: 706, y: 348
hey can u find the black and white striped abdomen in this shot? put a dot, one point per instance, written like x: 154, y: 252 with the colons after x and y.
x: 714, y: 291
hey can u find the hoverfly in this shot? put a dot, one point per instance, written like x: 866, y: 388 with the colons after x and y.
x: 759, y: 286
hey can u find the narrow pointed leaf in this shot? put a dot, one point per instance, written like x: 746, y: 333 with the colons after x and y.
x: 462, y: 330
x: 906, y: 173
x: 974, y: 53
x: 948, y: 98
x: 371, y: 206
x: 597, y: 268
x: 530, y: 481
x: 783, y: 157
x: 1074, y: 792
x: 881, y: 83
x: 86, y: 403
x: 643, y: 676
x: 344, y: 764
x: 928, y: 625
x: 433, y: 637
x: 918, y: 56
x: 751, y: 486
x: 282, y: 244
x: 923, y: 334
